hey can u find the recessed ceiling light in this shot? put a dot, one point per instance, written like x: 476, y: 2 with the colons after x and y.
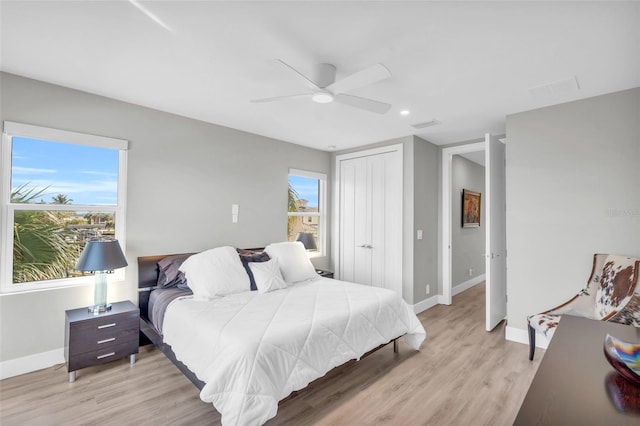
x: 405, y: 112
x: 322, y: 97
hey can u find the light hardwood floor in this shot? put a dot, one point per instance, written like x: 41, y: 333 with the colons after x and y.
x: 461, y: 376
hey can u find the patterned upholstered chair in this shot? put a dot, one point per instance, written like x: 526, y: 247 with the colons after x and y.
x: 610, y: 295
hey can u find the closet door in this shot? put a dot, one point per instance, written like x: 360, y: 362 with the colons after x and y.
x: 387, y: 222
x: 355, y: 261
x: 370, y: 220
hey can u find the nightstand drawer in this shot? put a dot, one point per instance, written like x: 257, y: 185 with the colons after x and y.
x: 103, y: 355
x: 104, y: 324
x: 94, y: 336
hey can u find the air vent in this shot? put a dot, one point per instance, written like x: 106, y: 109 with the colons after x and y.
x: 424, y: 124
x: 557, y: 89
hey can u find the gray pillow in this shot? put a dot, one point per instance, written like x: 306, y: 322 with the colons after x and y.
x: 169, y: 275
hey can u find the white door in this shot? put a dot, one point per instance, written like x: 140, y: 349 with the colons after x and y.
x: 355, y: 261
x: 370, y: 219
x: 496, y: 241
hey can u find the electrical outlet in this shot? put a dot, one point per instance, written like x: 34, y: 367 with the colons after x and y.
x: 428, y: 288
x: 470, y: 272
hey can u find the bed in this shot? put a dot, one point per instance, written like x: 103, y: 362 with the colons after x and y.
x: 247, y: 350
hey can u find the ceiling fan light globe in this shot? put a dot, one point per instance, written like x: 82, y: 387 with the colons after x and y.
x: 322, y: 97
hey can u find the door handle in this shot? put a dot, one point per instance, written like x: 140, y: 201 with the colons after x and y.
x: 367, y: 246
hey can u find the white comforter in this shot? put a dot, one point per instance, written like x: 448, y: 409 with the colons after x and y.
x: 253, y: 350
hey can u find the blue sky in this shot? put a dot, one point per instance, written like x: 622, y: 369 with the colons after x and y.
x: 307, y: 189
x: 85, y: 174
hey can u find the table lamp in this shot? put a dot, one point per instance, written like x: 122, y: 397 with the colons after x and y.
x: 101, y: 257
x: 308, y: 240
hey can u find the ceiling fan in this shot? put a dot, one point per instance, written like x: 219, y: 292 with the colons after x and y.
x: 324, y: 88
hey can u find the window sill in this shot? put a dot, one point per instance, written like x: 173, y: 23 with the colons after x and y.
x: 61, y: 284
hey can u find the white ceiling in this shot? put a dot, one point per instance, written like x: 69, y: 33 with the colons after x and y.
x: 466, y: 64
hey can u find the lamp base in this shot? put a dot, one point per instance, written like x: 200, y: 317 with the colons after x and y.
x: 99, y: 309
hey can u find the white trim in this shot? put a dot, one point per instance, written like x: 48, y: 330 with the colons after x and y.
x: 27, y: 364
x: 65, y: 136
x: 300, y: 214
x: 369, y: 152
x: 522, y: 336
x: 468, y: 284
x: 335, y: 222
x: 308, y: 174
x: 6, y: 215
x: 426, y: 304
x: 447, y: 154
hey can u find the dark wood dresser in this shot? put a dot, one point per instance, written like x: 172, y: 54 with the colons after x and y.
x: 575, y: 385
x: 95, y: 339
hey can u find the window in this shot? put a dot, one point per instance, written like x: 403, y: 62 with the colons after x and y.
x: 59, y: 189
x: 306, y: 213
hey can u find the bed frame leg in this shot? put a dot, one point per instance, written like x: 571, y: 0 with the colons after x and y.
x: 532, y: 342
x: 395, y: 346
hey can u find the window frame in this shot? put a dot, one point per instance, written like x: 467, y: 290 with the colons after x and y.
x: 8, y: 209
x: 322, y: 208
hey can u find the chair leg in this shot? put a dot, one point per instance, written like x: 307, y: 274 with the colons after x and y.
x: 532, y: 342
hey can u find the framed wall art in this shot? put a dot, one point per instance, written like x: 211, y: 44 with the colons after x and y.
x: 470, y: 209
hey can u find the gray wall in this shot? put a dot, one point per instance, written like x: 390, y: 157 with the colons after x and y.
x: 421, y: 171
x: 573, y: 175
x: 467, y: 244
x: 183, y: 177
x: 426, y: 172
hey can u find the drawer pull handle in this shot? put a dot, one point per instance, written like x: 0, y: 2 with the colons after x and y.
x: 105, y: 355
x: 106, y: 340
x: 113, y: 324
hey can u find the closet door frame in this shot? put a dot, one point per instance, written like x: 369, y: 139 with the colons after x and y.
x: 336, y: 225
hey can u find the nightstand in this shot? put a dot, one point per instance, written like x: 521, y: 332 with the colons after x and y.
x: 95, y: 339
x: 324, y: 274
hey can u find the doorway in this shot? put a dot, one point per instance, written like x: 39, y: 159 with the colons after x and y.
x: 468, y: 242
x: 495, y: 252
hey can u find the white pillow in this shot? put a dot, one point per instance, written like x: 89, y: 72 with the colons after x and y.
x: 215, y: 272
x: 267, y: 275
x: 293, y: 260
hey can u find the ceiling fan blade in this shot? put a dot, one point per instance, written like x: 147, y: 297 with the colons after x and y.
x: 363, y: 103
x: 301, y: 76
x: 361, y: 78
x: 279, y: 98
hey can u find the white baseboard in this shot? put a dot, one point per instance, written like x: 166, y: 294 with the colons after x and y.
x: 522, y: 336
x: 27, y: 364
x: 441, y: 300
x: 426, y: 304
x: 468, y: 284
